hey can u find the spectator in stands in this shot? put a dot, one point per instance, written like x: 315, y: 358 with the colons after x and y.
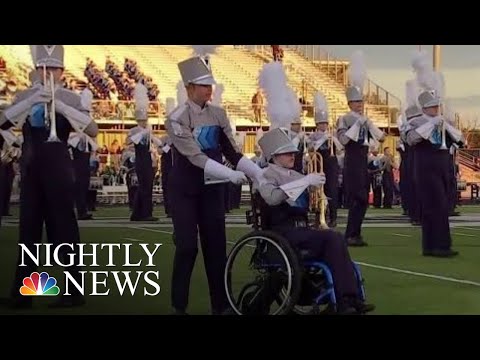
x: 3, y: 64
x: 257, y: 105
x: 277, y: 53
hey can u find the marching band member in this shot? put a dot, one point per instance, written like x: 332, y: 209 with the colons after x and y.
x: 201, y: 134
x: 47, y: 187
x: 431, y: 136
x: 94, y: 165
x: 9, y: 153
x: 82, y: 146
x: 143, y: 139
x: 327, y: 144
x: 388, y: 164
x: 410, y: 186
x: 128, y: 162
x: 355, y: 130
x: 375, y: 176
x: 298, y: 138
x: 285, y: 191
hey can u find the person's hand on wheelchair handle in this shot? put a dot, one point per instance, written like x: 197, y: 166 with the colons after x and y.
x: 238, y: 178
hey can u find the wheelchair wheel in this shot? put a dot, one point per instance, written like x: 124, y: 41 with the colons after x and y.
x: 261, y: 265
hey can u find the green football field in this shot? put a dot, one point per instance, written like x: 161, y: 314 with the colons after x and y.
x: 398, y: 279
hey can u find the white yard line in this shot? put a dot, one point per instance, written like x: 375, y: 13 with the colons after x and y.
x: 467, y: 228
x: 402, y: 235
x: 463, y: 234
x: 152, y: 230
x: 132, y: 239
x: 432, y: 276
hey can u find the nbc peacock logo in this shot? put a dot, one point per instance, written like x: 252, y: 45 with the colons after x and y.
x: 39, y: 285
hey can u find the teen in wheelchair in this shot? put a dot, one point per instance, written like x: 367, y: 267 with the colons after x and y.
x: 295, y: 268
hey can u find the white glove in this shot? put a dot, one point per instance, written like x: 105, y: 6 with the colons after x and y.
x: 76, y: 118
x: 42, y: 96
x: 220, y: 171
x: 18, y: 112
x: 237, y: 177
x: 247, y: 166
x: 362, y: 120
x: 436, y: 120
x: 315, y: 179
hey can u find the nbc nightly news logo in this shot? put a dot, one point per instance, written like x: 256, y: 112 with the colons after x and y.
x: 101, y: 281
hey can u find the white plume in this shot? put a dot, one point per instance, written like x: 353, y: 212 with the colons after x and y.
x: 438, y: 84
x: 33, y: 53
x: 423, y: 70
x: 218, y: 95
x: 169, y: 105
x: 448, y: 110
x: 400, y: 120
x: 320, y: 102
x: 203, y: 50
x: 358, y: 69
x: 86, y: 99
x: 182, y: 96
x: 427, y: 78
x: 421, y: 62
x: 411, y: 93
x: 140, y: 95
x: 282, y: 104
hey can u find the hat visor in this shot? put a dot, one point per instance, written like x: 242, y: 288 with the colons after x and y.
x: 206, y: 81
x: 432, y: 103
x: 354, y: 98
x: 290, y: 148
x: 49, y: 64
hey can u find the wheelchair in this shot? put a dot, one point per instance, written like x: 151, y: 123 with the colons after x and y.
x: 284, y: 281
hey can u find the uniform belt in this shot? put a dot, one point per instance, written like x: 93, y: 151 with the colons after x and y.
x: 299, y: 223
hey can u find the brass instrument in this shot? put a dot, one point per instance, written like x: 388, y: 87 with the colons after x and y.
x: 444, y: 137
x: 444, y: 129
x: 53, y: 137
x: 330, y: 132
x: 317, y: 198
x: 6, y: 156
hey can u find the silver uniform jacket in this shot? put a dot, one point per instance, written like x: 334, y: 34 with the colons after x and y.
x: 420, y: 129
x: 17, y: 118
x: 275, y: 176
x: 194, y: 130
x: 344, y: 128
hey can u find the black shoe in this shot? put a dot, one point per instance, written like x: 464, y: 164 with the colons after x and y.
x: 332, y: 224
x: 65, y: 301
x: 441, y: 253
x: 454, y: 213
x: 363, y: 308
x: 179, y: 312
x: 227, y: 311
x: 346, y: 309
x: 356, y: 241
x: 85, y: 217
